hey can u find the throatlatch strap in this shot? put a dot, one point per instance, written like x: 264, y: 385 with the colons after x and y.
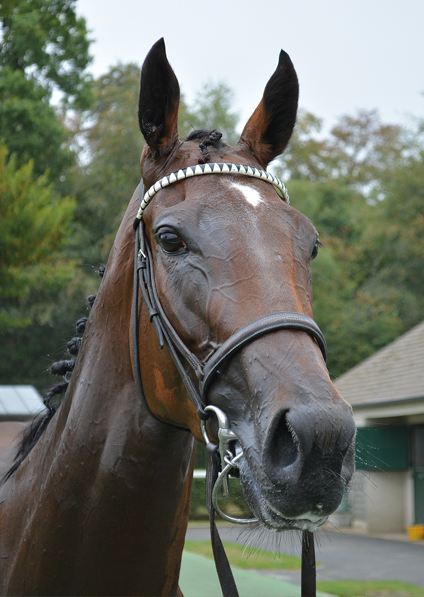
x: 225, y: 575
x: 308, y: 578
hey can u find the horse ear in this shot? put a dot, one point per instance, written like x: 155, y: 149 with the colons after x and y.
x: 269, y: 129
x: 158, y: 102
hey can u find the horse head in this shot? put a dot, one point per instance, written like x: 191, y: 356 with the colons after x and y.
x: 228, y: 250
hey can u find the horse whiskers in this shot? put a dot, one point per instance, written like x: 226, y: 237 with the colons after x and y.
x: 279, y: 544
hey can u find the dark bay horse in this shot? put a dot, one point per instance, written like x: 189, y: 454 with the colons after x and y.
x: 100, y: 504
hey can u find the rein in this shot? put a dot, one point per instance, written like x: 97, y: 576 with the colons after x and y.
x: 220, y: 460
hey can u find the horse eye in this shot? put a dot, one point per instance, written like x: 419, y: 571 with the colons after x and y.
x: 315, y: 249
x: 171, y: 242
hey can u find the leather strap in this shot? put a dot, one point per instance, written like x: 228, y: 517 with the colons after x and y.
x: 164, y: 330
x: 308, y: 574
x: 225, y: 575
x: 255, y: 329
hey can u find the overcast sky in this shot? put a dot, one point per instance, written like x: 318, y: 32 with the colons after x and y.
x: 348, y: 55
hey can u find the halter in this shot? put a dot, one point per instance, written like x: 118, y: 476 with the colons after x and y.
x: 221, y: 460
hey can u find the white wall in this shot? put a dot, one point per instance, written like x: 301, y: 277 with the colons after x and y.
x: 385, y: 502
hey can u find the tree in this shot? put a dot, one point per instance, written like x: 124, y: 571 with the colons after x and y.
x: 34, y: 229
x: 212, y: 110
x: 30, y: 126
x: 44, y: 49
x: 110, y: 145
x: 367, y: 280
x: 393, y: 243
x: 358, y: 152
x: 44, y: 40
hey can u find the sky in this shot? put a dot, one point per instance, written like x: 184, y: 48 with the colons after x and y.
x: 349, y: 55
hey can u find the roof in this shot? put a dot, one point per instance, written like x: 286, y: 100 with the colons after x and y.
x: 394, y: 373
x: 19, y: 402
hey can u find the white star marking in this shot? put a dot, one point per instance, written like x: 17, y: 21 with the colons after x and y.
x: 251, y: 195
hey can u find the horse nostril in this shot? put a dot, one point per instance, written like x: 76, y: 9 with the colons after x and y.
x: 282, y: 449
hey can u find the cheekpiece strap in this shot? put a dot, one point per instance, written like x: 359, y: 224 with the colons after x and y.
x: 212, y: 168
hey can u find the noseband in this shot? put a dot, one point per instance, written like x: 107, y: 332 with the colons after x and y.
x: 205, y: 371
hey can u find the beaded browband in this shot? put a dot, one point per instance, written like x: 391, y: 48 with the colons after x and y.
x: 213, y: 168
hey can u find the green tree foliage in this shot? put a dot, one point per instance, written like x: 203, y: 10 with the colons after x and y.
x: 34, y: 228
x: 367, y: 282
x: 41, y: 289
x: 44, y: 49
x: 110, y: 145
x: 46, y: 41
x: 358, y: 151
x: 211, y: 109
x: 393, y: 243
x: 30, y: 125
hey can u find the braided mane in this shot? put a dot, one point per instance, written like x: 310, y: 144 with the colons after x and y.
x: 53, y: 397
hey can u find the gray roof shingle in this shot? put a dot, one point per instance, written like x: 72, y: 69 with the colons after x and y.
x: 395, y: 372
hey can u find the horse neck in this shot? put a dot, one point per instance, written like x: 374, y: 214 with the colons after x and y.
x: 121, y: 506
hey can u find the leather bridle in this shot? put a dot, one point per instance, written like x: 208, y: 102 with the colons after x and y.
x: 205, y: 371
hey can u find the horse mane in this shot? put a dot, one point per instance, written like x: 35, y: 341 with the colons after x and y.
x: 53, y: 397
x: 207, y: 138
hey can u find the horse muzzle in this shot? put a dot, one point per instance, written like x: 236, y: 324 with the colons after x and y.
x: 298, y: 475
x: 303, y: 472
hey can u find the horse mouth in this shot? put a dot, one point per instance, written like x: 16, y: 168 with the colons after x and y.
x: 274, y: 520
x: 268, y: 511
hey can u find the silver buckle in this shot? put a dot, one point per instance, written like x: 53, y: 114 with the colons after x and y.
x: 228, y: 462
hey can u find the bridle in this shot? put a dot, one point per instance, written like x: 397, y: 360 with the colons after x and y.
x: 220, y: 459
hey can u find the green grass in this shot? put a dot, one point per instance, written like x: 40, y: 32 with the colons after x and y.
x: 242, y: 557
x: 260, y: 559
x: 363, y: 588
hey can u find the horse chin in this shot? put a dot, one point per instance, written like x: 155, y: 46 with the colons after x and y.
x: 273, y: 520
x: 267, y: 514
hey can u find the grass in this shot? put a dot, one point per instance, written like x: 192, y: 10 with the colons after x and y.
x: 259, y: 559
x: 242, y: 557
x: 363, y: 588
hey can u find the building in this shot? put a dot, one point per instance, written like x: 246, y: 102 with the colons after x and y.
x: 386, y: 392
x: 18, y: 405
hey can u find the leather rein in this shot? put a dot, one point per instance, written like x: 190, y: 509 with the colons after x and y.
x: 219, y: 461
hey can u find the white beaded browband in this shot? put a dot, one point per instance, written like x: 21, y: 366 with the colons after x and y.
x: 213, y: 168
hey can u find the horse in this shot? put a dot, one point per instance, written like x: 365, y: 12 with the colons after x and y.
x: 100, y: 504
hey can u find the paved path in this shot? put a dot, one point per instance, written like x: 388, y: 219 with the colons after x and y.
x: 342, y: 555
x: 198, y: 579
